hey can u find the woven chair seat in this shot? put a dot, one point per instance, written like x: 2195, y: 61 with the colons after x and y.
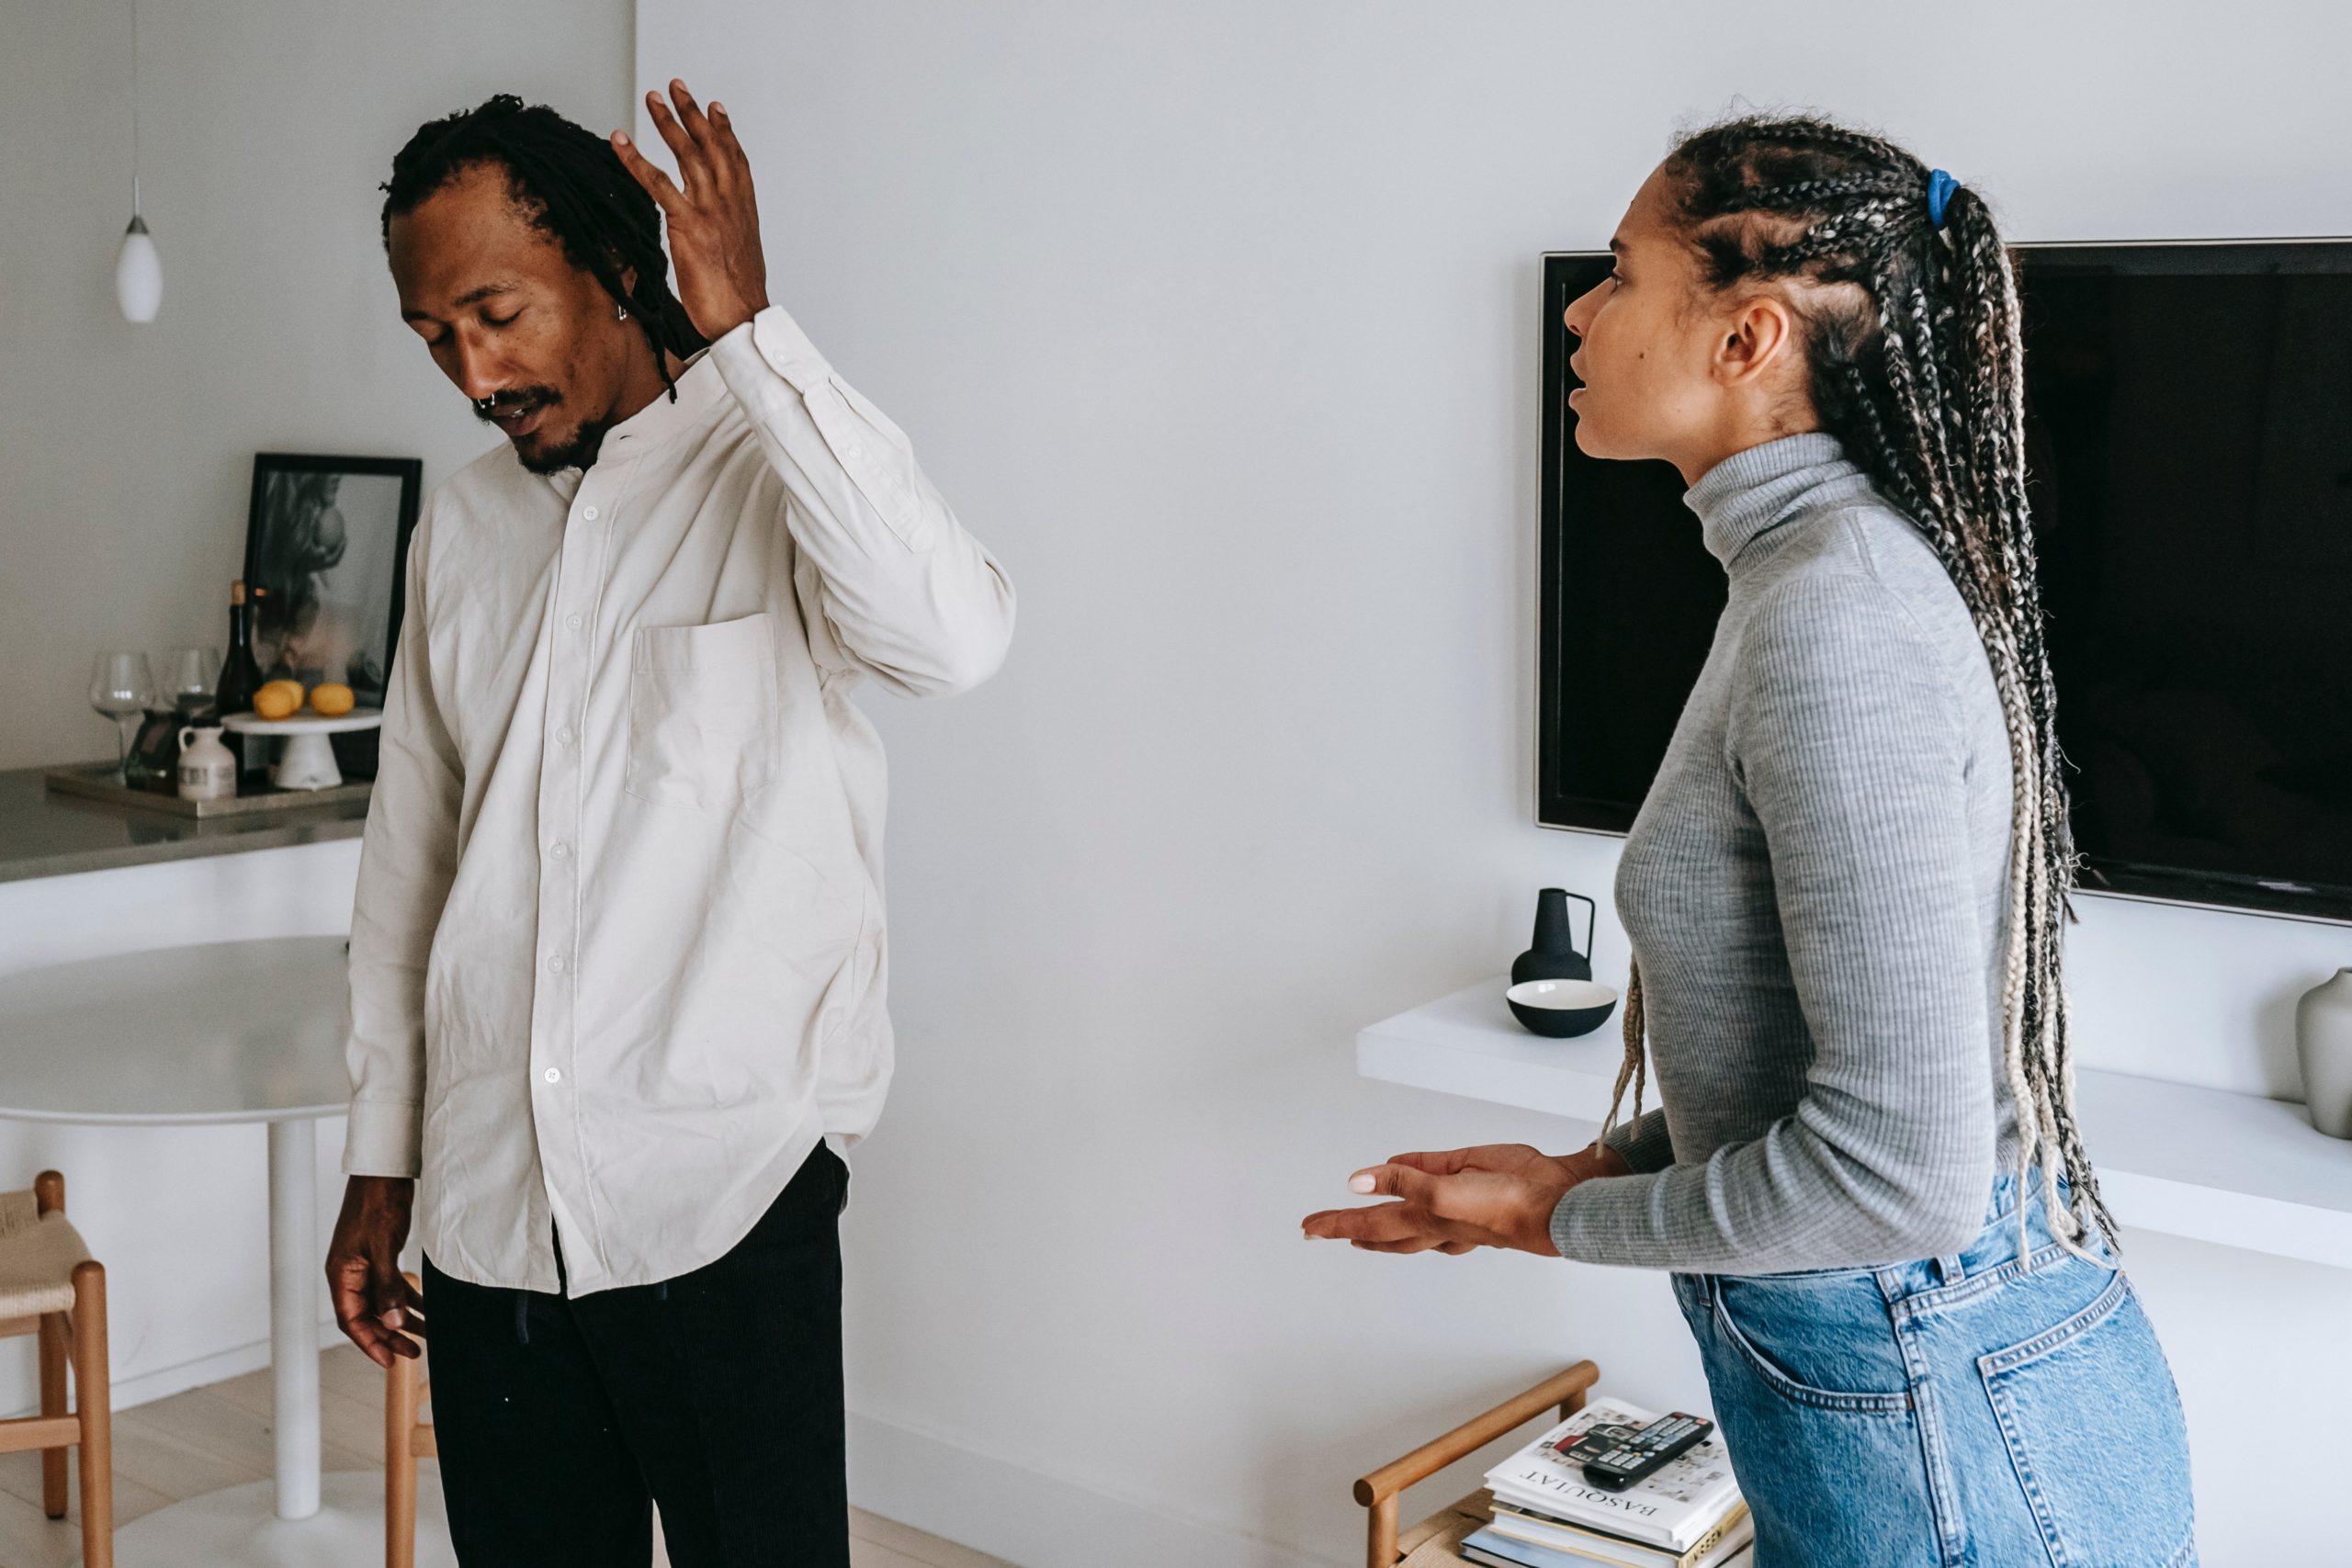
x: 37, y: 1256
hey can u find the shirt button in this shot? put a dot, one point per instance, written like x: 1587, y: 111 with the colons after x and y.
x: 572, y: 621
x: 563, y: 736
x: 560, y: 850
x: 556, y: 964
x: 589, y: 512
x: 554, y: 1077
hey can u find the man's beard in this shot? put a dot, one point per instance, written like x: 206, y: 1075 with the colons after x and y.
x: 578, y: 452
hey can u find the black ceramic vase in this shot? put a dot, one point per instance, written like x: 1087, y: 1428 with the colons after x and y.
x: 1553, y: 955
x: 1552, y: 991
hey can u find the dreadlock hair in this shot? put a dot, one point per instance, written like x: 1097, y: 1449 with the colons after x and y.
x: 1916, y: 365
x: 573, y: 188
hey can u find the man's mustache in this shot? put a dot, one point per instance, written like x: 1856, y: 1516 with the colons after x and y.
x: 518, y: 400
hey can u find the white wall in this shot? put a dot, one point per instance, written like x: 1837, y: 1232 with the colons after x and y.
x: 266, y: 127
x: 1218, y: 318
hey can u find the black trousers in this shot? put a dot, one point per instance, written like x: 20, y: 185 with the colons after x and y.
x: 716, y: 1396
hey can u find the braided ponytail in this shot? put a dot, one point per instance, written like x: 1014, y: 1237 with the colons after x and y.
x: 1916, y: 365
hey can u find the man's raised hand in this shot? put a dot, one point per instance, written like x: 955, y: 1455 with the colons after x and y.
x: 713, y: 222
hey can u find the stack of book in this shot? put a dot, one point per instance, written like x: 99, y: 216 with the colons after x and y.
x: 1688, y: 1515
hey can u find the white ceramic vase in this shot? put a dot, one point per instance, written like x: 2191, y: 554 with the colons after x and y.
x: 2324, y: 1041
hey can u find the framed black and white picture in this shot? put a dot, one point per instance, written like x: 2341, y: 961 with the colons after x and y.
x: 326, y: 558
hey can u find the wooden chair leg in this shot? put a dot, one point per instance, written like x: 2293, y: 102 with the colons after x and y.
x: 1380, y: 1542
x: 52, y: 1402
x: 94, y: 1403
x: 48, y: 1197
x: 399, y: 1464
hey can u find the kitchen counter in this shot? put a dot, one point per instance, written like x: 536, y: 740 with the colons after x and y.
x: 46, y: 834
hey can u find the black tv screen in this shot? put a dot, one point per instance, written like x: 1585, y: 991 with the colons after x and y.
x: 2189, y: 412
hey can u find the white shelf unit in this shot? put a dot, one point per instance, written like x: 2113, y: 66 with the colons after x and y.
x: 2234, y: 1168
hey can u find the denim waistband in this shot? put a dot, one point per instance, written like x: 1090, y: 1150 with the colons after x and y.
x: 2001, y: 1208
x: 1996, y: 1245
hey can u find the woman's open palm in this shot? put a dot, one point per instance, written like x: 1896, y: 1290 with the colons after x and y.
x: 1451, y: 1200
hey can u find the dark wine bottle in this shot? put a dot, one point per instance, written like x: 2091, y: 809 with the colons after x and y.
x: 239, y: 677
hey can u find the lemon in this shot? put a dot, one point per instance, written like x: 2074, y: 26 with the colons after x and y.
x: 333, y: 699
x: 274, y: 702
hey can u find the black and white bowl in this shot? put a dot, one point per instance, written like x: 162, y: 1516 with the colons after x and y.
x: 1561, y: 1009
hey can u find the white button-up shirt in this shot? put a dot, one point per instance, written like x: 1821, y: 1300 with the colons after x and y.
x: 616, y: 963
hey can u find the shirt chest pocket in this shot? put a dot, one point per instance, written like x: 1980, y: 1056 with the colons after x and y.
x: 702, y: 719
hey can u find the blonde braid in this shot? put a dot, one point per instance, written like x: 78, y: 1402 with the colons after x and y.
x: 1635, y: 1068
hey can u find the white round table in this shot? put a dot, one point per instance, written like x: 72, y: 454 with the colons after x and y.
x: 228, y: 1032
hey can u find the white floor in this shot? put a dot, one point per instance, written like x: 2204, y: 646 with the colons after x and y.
x: 209, y: 1438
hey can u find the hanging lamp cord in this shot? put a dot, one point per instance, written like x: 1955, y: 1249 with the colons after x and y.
x: 134, y: 107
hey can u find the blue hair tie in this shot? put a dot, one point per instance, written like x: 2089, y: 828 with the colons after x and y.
x: 1941, y: 186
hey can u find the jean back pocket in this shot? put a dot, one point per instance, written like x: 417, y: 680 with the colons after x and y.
x: 2094, y: 1428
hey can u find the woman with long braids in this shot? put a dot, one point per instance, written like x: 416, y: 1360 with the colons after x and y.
x: 1845, y: 894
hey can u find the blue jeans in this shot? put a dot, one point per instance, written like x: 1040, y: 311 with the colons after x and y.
x: 1962, y: 1412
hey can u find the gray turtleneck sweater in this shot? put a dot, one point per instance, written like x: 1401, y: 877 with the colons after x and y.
x: 1814, y: 890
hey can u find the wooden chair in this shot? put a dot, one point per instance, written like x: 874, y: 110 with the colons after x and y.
x: 1432, y: 1542
x: 49, y: 1285
x: 408, y: 1437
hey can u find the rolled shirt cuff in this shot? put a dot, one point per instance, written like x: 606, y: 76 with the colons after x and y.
x: 386, y: 1137
x: 1644, y: 1143
x: 770, y: 344
x: 1594, y: 1218
x: 1599, y: 1221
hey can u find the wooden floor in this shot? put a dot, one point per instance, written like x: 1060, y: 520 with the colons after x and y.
x: 210, y: 1437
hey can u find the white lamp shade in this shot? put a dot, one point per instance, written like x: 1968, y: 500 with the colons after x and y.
x: 139, y: 275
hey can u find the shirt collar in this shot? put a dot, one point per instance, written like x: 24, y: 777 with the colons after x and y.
x: 659, y: 422
x: 1749, y: 494
x: 662, y: 420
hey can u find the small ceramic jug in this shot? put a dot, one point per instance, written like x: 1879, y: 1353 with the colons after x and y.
x: 208, y: 768
x: 1553, y: 954
x: 2324, y: 1041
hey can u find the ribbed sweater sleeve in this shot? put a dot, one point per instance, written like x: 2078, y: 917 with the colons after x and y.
x: 1644, y: 1142
x: 1846, y: 743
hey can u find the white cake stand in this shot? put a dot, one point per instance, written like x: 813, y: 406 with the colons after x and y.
x: 308, y: 760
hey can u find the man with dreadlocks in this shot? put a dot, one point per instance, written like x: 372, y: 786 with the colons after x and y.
x: 616, y: 961
x: 1844, y: 892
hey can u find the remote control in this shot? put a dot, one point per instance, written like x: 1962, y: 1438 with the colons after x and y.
x: 1616, y: 1457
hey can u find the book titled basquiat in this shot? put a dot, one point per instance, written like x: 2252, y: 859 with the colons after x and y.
x: 1675, y: 1507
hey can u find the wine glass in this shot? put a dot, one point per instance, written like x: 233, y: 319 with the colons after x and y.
x: 190, y: 672
x: 122, y: 687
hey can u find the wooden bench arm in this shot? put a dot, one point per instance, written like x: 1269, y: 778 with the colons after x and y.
x: 1377, y: 1492
x: 1565, y: 1390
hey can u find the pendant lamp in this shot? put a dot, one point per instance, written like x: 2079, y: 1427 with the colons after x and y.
x: 137, y: 270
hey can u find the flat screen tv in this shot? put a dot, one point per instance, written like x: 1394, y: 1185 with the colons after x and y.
x: 2190, y: 442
